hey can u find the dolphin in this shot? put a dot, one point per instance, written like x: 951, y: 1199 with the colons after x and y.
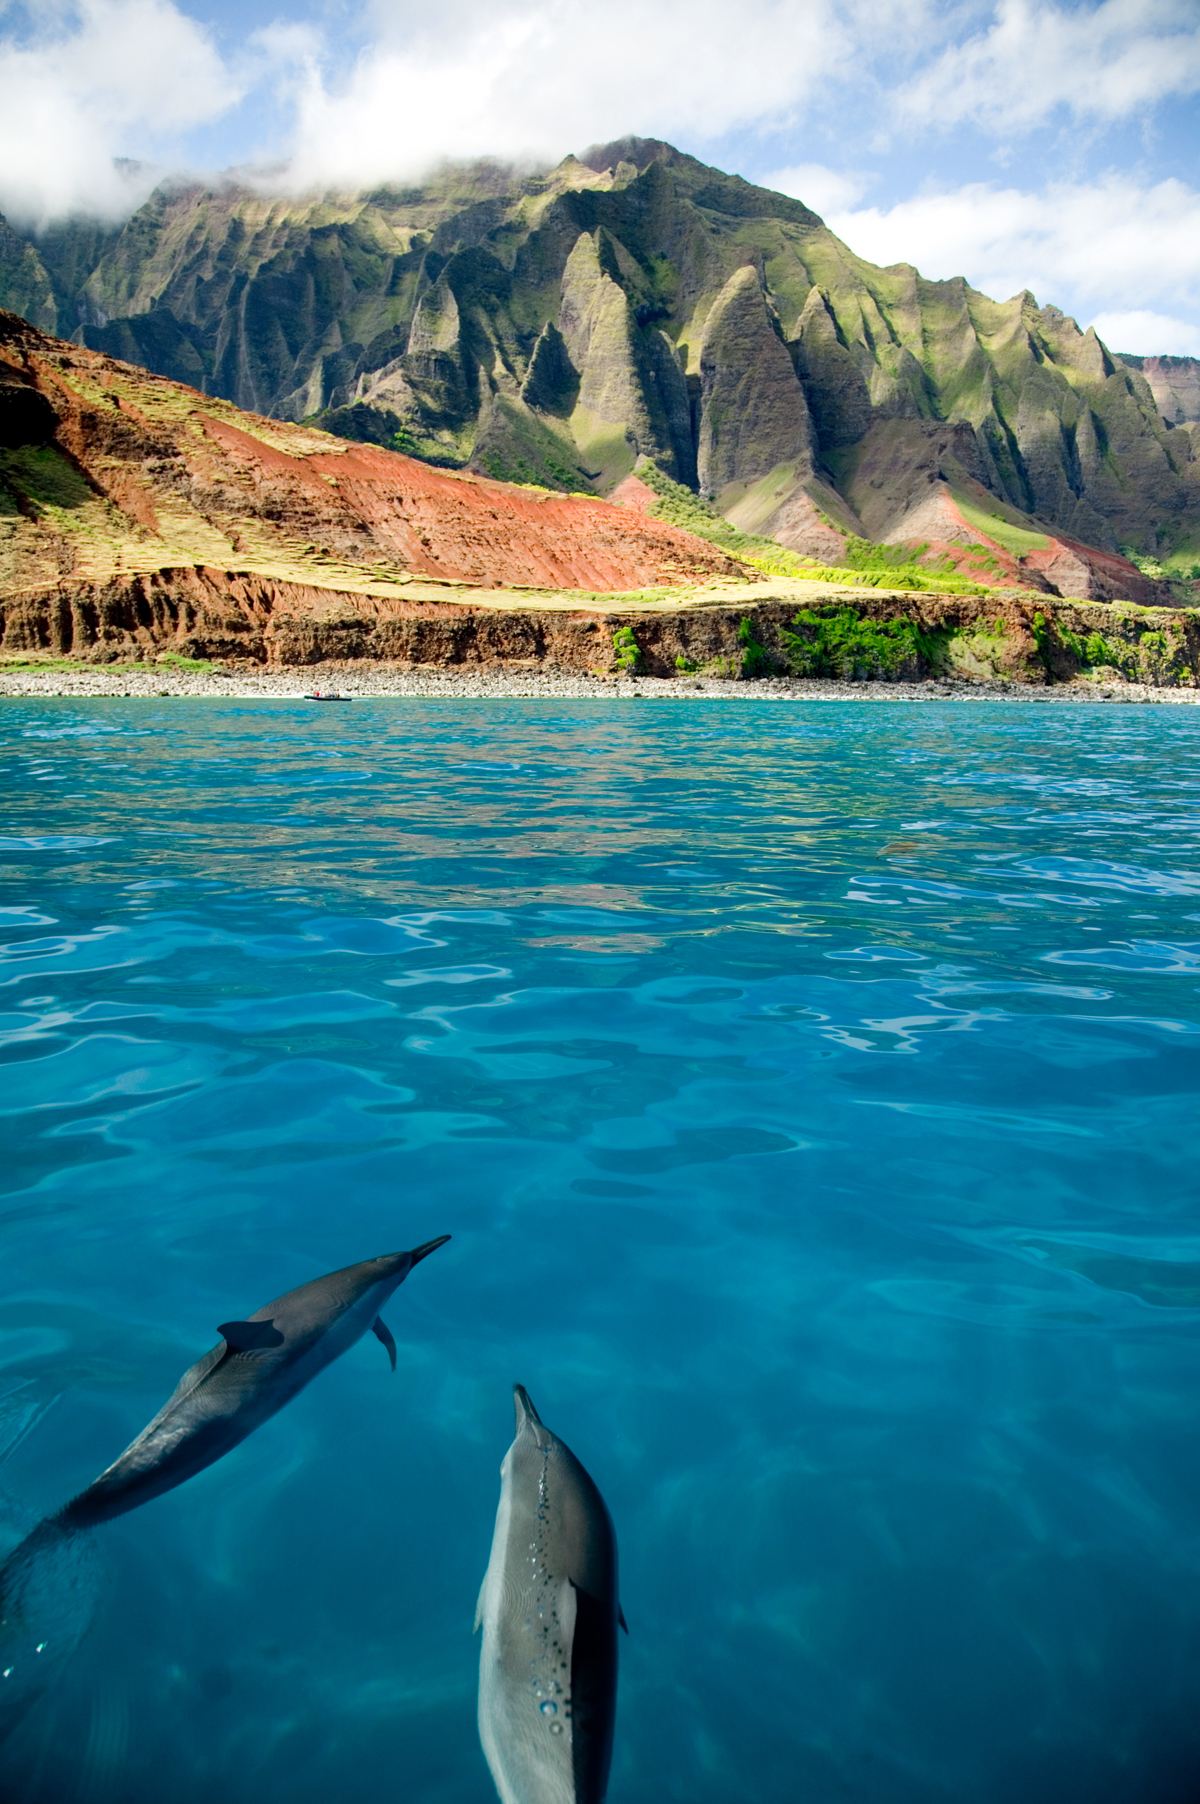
x: 255, y: 1368
x: 549, y: 1610
x: 46, y: 1587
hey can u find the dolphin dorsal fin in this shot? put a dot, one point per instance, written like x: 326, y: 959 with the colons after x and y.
x: 249, y: 1337
x: 621, y: 1619
x: 382, y: 1332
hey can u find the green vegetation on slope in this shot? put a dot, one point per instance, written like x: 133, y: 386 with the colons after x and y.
x: 516, y: 445
x: 899, y: 567
x: 629, y: 652
x: 1142, y: 647
x: 837, y: 643
x: 867, y: 565
x: 756, y: 660
x: 1180, y: 570
x: 1013, y: 539
x: 380, y: 426
x: 678, y: 506
x: 884, y: 573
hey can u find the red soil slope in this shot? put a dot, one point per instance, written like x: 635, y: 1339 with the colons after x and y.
x: 171, y: 477
x: 1061, y: 566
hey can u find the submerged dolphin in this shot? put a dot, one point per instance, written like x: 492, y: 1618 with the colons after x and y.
x: 549, y: 1610
x: 256, y: 1367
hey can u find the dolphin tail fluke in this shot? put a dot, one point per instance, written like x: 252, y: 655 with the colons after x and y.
x: 383, y: 1333
x: 47, y: 1593
x: 39, y: 1545
x: 430, y: 1246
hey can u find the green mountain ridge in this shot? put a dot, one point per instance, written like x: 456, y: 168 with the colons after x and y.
x: 636, y: 303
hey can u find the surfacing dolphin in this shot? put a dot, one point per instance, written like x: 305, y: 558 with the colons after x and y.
x: 256, y: 1367
x: 550, y: 1610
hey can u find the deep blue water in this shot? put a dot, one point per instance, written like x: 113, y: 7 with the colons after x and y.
x: 811, y: 1094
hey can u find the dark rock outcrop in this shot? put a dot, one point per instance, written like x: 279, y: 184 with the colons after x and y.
x: 26, y: 416
x: 1175, y: 384
x: 838, y: 396
x: 629, y: 374
x: 753, y: 414
x: 551, y: 382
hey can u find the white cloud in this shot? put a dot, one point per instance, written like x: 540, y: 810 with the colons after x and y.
x: 824, y: 190
x: 535, y: 78
x: 532, y: 79
x: 124, y: 76
x: 539, y: 80
x: 1107, y: 247
x: 511, y: 78
x: 1148, y: 334
x: 1108, y: 61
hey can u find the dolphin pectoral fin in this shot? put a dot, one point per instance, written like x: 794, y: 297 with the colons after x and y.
x: 479, y: 1606
x: 621, y: 1619
x: 250, y: 1337
x: 382, y: 1332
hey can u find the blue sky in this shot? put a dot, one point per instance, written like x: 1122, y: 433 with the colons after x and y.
x: 1021, y: 144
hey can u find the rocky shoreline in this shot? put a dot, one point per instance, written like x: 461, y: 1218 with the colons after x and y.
x: 357, y: 681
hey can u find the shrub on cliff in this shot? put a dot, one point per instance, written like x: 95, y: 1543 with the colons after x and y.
x: 756, y: 659
x: 837, y: 643
x: 629, y: 652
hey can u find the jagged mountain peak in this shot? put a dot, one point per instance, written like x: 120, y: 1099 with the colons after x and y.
x: 641, y: 152
x: 585, y: 317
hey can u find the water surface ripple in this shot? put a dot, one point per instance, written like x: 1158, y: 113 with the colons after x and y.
x: 810, y: 1092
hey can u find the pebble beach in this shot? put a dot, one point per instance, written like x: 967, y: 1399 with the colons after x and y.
x: 462, y: 683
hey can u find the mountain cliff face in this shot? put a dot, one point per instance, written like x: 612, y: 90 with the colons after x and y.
x: 1175, y: 384
x: 636, y: 303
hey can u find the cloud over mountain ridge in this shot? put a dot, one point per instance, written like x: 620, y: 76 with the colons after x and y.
x: 556, y: 328
x: 187, y: 85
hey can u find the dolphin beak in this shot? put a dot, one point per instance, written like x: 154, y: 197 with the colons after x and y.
x: 423, y: 1252
x: 527, y: 1415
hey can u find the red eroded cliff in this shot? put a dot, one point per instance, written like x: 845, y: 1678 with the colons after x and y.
x: 128, y: 472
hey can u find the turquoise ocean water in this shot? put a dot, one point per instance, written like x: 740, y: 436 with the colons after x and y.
x: 811, y: 1094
